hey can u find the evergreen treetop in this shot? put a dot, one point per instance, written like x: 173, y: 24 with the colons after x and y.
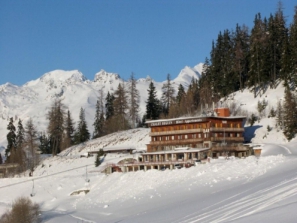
x: 11, y: 137
x: 152, y: 103
x: 82, y: 133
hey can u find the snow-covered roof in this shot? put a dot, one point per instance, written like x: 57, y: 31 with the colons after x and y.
x: 116, y: 148
x: 191, y: 119
x: 178, y: 150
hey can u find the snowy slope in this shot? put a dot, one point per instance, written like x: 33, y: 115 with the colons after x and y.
x: 235, y: 190
x: 246, y: 102
x: 35, y: 97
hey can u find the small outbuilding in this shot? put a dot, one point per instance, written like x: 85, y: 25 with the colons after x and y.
x: 114, y: 149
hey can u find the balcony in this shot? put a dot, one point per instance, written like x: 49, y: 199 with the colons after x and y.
x: 175, y: 132
x: 176, y: 142
x: 229, y: 148
x: 187, y: 131
x: 215, y: 129
x: 227, y: 139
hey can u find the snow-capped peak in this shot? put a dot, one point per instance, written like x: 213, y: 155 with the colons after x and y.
x: 103, y: 76
x: 187, y: 74
x: 199, y: 68
x: 59, y: 76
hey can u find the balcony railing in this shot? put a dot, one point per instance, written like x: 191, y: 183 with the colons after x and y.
x: 175, y: 132
x: 227, y: 139
x: 179, y: 141
x: 229, y: 148
x: 185, y: 131
x: 216, y: 129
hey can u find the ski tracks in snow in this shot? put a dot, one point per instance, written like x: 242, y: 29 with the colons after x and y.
x: 228, y: 210
x: 285, y: 148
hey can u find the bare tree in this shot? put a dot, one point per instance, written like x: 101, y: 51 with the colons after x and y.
x: 23, y: 210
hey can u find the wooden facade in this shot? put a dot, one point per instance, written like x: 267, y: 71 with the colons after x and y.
x: 219, y: 133
x: 184, y: 142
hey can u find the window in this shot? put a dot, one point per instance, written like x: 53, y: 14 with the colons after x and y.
x: 172, y: 137
x: 186, y: 136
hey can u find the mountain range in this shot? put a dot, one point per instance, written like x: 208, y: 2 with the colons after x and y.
x: 33, y: 99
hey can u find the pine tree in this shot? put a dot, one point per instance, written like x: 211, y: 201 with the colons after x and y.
x: 230, y: 80
x: 45, y: 144
x: 120, y: 102
x: 290, y: 114
x: 258, y: 75
x: 286, y: 61
x: 293, y: 47
x: 120, y: 105
x: 134, y: 100
x: 276, y: 35
x: 216, y: 79
x: 279, y: 115
x: 152, y: 103
x: 18, y: 154
x: 167, y: 95
x: 99, y: 121
x: 20, y: 137
x: 1, y: 160
x: 68, y: 136
x: 180, y: 93
x: 99, y: 154
x: 82, y: 133
x: 11, y: 138
x: 109, y: 110
x: 206, y: 84
x: 31, y: 138
x: 241, y: 53
x: 55, y: 127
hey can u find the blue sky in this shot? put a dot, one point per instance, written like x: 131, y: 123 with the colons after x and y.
x: 147, y: 37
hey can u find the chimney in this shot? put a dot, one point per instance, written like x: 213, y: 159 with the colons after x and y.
x: 223, y: 112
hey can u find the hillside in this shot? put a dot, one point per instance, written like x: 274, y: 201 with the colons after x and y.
x: 34, y: 98
x: 234, y: 190
x: 238, y: 190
